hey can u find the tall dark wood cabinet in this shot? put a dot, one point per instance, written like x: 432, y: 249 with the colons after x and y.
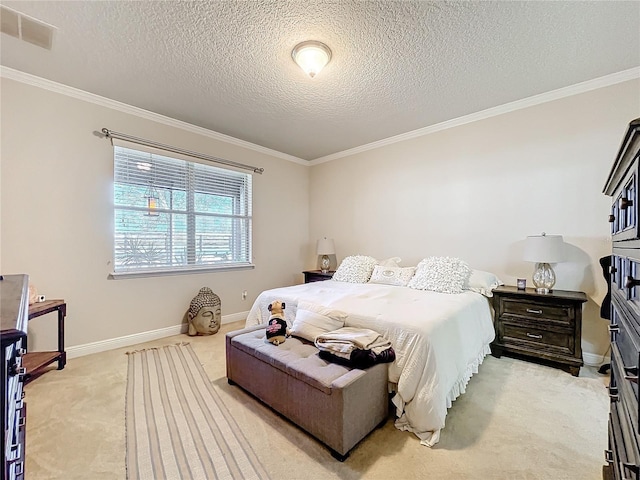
x: 623, y: 452
x: 14, y: 311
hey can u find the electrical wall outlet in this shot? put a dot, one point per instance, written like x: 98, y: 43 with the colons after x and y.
x: 244, y: 294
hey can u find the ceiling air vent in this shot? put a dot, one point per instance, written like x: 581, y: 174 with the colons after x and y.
x: 26, y: 28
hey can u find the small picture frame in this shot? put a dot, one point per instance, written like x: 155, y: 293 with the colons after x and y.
x: 522, y: 284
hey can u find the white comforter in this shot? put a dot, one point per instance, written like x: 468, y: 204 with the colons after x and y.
x: 439, y: 340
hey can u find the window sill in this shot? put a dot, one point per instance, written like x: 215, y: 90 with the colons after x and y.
x: 185, y: 271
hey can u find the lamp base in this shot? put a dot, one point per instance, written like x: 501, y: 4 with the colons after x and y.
x: 544, y: 278
x: 325, y: 264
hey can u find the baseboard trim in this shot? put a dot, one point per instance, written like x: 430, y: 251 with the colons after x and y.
x: 590, y: 359
x: 594, y: 360
x: 128, y: 340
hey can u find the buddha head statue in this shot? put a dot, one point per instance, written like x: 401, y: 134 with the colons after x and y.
x: 205, y: 313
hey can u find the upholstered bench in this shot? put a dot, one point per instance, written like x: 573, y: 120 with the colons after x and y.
x: 336, y: 404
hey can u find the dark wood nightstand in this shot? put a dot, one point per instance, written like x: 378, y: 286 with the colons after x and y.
x: 317, y: 275
x: 547, y: 327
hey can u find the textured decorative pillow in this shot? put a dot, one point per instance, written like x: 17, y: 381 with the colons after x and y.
x: 355, y: 269
x: 313, y: 320
x: 399, y: 276
x: 440, y: 274
x: 482, y: 282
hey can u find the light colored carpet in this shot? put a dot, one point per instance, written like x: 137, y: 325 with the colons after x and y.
x: 177, y: 426
x: 517, y: 420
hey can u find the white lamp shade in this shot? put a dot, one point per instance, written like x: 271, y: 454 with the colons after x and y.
x: 326, y: 246
x: 544, y: 249
x: 311, y: 56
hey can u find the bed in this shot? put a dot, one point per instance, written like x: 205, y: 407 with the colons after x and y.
x: 439, y: 339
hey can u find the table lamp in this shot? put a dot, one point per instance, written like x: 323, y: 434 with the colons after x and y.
x: 325, y: 247
x: 543, y: 250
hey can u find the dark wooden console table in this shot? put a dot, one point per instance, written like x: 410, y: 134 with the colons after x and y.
x: 35, y: 362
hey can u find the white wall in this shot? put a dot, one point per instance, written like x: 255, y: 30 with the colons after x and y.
x: 476, y: 191
x: 57, y: 217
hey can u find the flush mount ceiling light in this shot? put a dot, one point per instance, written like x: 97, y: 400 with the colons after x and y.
x: 311, y: 56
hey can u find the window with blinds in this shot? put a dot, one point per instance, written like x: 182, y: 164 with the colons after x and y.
x: 173, y: 214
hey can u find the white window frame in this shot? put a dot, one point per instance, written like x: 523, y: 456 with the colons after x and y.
x: 131, y: 166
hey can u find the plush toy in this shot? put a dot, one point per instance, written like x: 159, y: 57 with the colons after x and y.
x: 277, y: 330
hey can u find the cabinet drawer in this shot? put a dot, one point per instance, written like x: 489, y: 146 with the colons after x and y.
x: 624, y: 216
x: 623, y: 396
x: 538, y: 338
x: 618, y: 272
x: 317, y: 276
x: 537, y: 310
x: 316, y: 279
x: 612, y: 456
x: 624, y: 454
x: 625, y: 343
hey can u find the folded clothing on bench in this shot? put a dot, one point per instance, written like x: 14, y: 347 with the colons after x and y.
x: 355, y: 347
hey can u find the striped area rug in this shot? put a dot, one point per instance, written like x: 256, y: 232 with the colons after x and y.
x: 177, y: 425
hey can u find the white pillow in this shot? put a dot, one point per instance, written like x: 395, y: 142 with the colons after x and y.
x: 482, y: 282
x: 399, y: 276
x: 440, y: 274
x: 390, y: 262
x: 355, y: 269
x: 313, y: 320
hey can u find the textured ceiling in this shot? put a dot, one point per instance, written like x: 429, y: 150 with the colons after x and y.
x: 397, y: 66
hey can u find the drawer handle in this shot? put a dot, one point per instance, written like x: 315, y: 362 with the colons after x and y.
x: 630, y: 466
x: 614, y: 328
x: 613, y: 390
x: 631, y: 374
x: 612, y: 218
x: 17, y: 369
x: 614, y: 397
x: 625, y: 203
x: 608, y: 456
x: 612, y: 269
x: 531, y: 335
x: 631, y: 282
x: 538, y: 312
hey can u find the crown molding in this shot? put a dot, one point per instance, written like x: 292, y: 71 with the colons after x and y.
x: 578, y: 88
x: 601, y: 82
x: 27, y: 78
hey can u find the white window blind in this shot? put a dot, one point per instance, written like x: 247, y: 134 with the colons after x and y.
x: 172, y: 214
